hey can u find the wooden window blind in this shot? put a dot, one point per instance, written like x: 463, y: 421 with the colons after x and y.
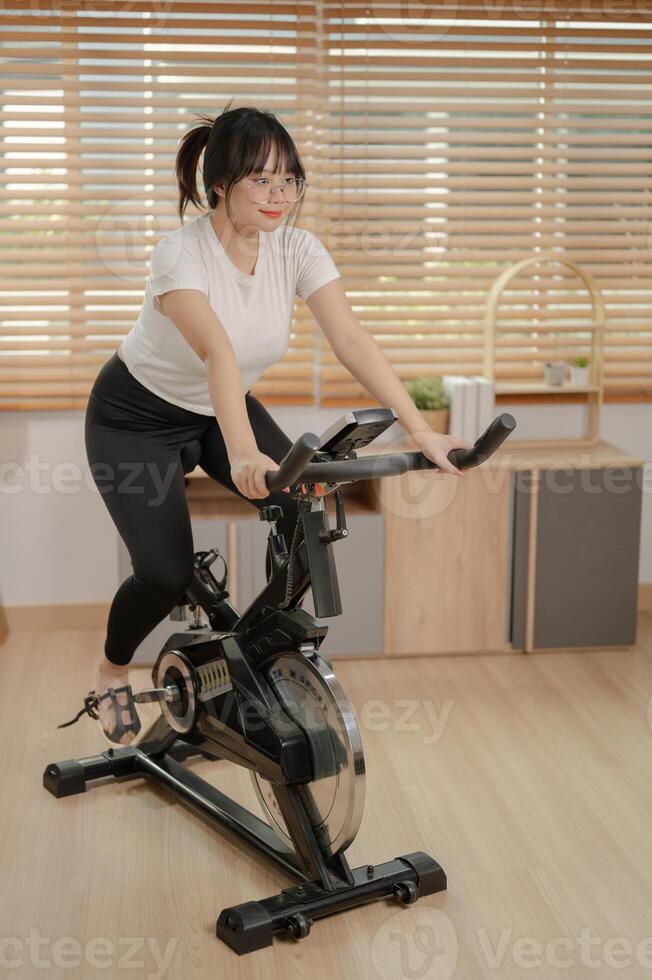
x: 473, y: 136
x: 440, y: 149
x: 93, y: 107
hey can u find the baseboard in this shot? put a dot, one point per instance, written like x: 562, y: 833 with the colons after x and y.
x: 59, y: 616
x: 93, y: 615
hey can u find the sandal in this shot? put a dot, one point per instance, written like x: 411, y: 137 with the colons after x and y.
x: 91, y: 703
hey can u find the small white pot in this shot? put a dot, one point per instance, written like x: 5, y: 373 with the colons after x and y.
x: 554, y: 372
x: 579, y: 375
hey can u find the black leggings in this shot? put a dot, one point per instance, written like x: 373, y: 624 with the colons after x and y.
x: 139, y: 446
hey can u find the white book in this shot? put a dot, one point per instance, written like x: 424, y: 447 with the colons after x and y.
x: 486, y: 403
x: 462, y: 410
x: 453, y: 387
x: 470, y: 389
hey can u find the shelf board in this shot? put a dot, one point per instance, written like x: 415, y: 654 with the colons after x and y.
x: 540, y: 388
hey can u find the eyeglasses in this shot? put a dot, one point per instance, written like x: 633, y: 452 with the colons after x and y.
x: 293, y: 188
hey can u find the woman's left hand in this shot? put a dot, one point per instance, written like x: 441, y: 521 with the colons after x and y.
x: 436, y: 446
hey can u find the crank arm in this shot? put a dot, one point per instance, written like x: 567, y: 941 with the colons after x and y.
x: 169, y: 694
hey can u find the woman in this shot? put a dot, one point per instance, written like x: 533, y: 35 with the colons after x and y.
x: 217, y: 312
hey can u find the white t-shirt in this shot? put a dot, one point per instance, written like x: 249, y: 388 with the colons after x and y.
x: 256, y: 311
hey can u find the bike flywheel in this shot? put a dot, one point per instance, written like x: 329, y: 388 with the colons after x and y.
x: 334, y: 800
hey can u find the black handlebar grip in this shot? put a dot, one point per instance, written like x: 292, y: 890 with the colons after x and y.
x: 486, y: 444
x: 293, y: 464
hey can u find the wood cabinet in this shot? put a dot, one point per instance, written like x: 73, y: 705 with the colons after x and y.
x: 536, y: 549
x: 447, y: 561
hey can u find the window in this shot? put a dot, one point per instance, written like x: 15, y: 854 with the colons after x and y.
x: 440, y: 149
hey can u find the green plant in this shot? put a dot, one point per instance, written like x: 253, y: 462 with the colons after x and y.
x: 580, y: 361
x: 427, y: 393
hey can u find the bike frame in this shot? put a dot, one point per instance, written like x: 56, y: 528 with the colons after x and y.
x: 313, y: 564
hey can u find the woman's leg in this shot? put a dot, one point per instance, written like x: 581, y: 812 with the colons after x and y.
x: 140, y: 477
x: 270, y: 440
x: 139, y: 474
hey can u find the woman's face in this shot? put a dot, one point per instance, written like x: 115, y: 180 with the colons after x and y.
x: 249, y: 216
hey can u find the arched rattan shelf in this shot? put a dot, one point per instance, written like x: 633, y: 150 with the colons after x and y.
x: 593, y: 390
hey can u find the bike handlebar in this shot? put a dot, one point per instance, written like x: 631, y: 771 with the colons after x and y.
x: 295, y: 467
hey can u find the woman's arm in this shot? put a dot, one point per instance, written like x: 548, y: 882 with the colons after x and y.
x: 195, y: 319
x: 357, y: 350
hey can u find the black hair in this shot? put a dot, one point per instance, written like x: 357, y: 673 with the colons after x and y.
x: 235, y: 143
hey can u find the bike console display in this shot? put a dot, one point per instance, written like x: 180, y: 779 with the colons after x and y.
x: 355, y: 430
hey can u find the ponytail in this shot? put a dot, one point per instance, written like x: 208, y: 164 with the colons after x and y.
x: 190, y: 150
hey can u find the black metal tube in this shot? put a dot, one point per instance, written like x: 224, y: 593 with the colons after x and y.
x: 294, y: 462
x: 219, y: 809
x: 386, y: 464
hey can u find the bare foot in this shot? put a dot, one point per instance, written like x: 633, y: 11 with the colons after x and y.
x: 109, y: 675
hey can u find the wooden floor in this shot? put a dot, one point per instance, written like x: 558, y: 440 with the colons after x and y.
x: 528, y: 777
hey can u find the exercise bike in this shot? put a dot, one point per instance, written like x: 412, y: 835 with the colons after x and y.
x: 254, y: 689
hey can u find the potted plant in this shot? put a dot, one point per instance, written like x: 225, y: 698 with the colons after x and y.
x: 429, y: 396
x: 580, y: 371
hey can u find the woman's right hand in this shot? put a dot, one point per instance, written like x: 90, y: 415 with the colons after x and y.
x: 248, y: 474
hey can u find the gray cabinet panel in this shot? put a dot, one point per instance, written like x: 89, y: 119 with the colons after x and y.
x: 587, y: 557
